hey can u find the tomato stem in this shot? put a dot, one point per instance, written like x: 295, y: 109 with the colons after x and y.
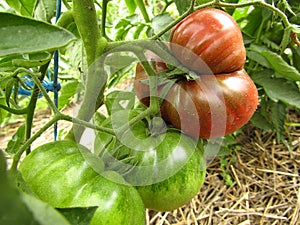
x: 65, y: 19
x: 94, y: 44
x: 154, y: 100
x: 141, y: 5
x: 103, y: 21
x: 29, y: 141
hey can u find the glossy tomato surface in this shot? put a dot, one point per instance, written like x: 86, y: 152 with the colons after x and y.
x: 65, y: 174
x: 214, y: 36
x: 208, y: 107
x: 167, y: 169
x: 211, y: 106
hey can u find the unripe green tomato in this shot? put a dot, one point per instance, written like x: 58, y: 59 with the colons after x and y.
x: 167, y: 168
x: 65, y: 174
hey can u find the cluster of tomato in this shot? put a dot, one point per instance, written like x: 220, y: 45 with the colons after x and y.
x: 222, y: 98
x: 163, y: 170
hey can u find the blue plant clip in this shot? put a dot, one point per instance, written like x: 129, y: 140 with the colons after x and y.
x: 48, y: 85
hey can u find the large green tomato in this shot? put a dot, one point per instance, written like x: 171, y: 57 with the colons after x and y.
x: 65, y: 174
x: 167, y: 168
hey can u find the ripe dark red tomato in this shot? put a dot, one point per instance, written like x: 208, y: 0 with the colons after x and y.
x: 214, y: 36
x: 208, y: 107
x: 211, y: 106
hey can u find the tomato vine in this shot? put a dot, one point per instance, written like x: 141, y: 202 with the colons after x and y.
x: 91, y: 28
x: 95, y: 45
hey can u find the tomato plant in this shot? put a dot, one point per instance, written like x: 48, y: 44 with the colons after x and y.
x: 65, y: 174
x: 94, y: 45
x: 166, y: 167
x: 214, y: 36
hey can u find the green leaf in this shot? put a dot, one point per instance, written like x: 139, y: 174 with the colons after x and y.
x: 122, y: 33
x: 19, y: 35
x: 159, y: 22
x: 24, y: 7
x: 182, y: 5
x: 281, y: 66
x: 128, y: 20
x: 45, y: 10
x: 131, y: 5
x: 240, y: 13
x: 12, y: 209
x: 257, y: 57
x: 19, y: 208
x: 78, y: 216
x: 16, y: 141
x: 67, y: 91
x: 7, y: 61
x: 278, y: 113
x: 278, y: 89
x: 75, y: 52
x: 200, y: 2
x: 42, y: 212
x: 31, y: 60
x: 138, y: 30
x: 118, y: 61
x: 3, y: 113
x: 119, y: 100
x: 251, y: 23
x: 2, y: 166
x: 260, y: 121
x: 296, y: 57
x: 122, y: 23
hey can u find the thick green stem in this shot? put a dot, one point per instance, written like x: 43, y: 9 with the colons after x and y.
x: 45, y: 94
x: 65, y: 19
x: 94, y: 44
x: 28, y: 142
x: 134, y: 120
x: 154, y: 100
x: 140, y: 45
x: 86, y: 124
x: 85, y: 17
x: 14, y: 111
x: 32, y: 104
x: 141, y: 5
x: 103, y: 21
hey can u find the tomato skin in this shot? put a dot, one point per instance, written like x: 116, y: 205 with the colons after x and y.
x: 167, y: 170
x: 176, y: 153
x: 211, y: 106
x: 214, y: 36
x: 58, y: 173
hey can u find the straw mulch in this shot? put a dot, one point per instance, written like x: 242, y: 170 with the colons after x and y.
x: 265, y: 188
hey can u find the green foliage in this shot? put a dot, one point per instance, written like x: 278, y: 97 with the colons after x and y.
x: 78, y: 216
x: 16, y: 207
x: 68, y: 90
x: 16, y: 141
x: 273, y: 63
x: 23, y: 7
x: 38, y: 36
x: 28, y: 39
